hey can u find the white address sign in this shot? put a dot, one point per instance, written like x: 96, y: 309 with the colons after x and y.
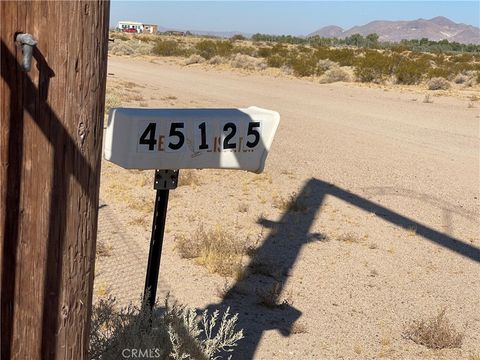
x: 190, y: 138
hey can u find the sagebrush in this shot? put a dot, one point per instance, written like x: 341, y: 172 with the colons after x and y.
x: 175, y: 332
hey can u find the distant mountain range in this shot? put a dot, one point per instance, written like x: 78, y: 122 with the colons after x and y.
x: 438, y: 28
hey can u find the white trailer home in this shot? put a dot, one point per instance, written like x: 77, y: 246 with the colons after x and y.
x: 130, y: 26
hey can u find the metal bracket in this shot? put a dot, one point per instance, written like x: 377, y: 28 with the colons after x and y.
x: 27, y: 42
x: 165, y: 179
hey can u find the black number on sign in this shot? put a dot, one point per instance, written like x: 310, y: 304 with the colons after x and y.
x: 175, y: 132
x: 233, y: 128
x: 254, y: 132
x: 203, y: 134
x: 148, y: 136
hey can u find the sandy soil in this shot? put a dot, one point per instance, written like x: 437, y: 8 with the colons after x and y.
x: 390, y: 235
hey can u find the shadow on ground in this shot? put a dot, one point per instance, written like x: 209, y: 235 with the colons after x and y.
x: 281, y: 249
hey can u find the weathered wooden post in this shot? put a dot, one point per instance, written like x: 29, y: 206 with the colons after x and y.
x: 51, y: 124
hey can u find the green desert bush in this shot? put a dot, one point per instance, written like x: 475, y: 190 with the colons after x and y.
x: 410, y: 72
x: 264, y: 52
x: 303, y: 65
x: 373, y: 67
x: 439, y: 72
x: 175, y: 332
x: 167, y: 48
x: 245, y: 50
x: 275, y: 61
x: 206, y: 49
x: 344, y: 57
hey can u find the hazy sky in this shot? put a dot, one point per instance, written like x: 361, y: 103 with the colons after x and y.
x: 285, y: 17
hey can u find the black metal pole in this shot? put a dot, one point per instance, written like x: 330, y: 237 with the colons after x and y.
x: 156, y: 242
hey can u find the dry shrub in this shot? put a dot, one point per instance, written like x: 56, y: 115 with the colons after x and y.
x: 460, y: 78
x: 290, y: 204
x: 194, y: 59
x: 120, y: 36
x: 247, y: 62
x: 217, y: 60
x: 175, y: 332
x: 435, y: 333
x: 325, y: 64
x: 188, y: 177
x: 333, y: 75
x: 438, y: 83
x: 140, y: 47
x: 121, y: 48
x: 217, y: 249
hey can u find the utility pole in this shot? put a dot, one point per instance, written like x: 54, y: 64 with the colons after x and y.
x: 51, y: 126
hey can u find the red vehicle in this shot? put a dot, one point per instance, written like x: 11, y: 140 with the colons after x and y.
x: 130, y: 30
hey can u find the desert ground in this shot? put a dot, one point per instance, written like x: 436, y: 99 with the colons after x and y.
x: 386, y: 234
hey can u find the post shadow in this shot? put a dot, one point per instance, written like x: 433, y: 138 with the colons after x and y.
x: 64, y: 150
x: 281, y: 249
x: 284, y: 244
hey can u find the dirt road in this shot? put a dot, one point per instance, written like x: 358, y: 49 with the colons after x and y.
x: 392, y: 229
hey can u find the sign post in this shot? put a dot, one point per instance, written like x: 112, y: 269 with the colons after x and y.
x: 170, y: 139
x: 165, y: 180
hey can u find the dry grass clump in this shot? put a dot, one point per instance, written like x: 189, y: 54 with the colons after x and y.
x: 247, y: 62
x: 438, y: 83
x: 290, y: 204
x: 427, y: 99
x: 348, y: 238
x: 217, y: 60
x: 194, y: 59
x: 112, y: 100
x: 334, y: 74
x: 188, y: 178
x: 175, y: 332
x: 217, y: 249
x: 120, y: 48
x: 103, y: 250
x: 435, y: 333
